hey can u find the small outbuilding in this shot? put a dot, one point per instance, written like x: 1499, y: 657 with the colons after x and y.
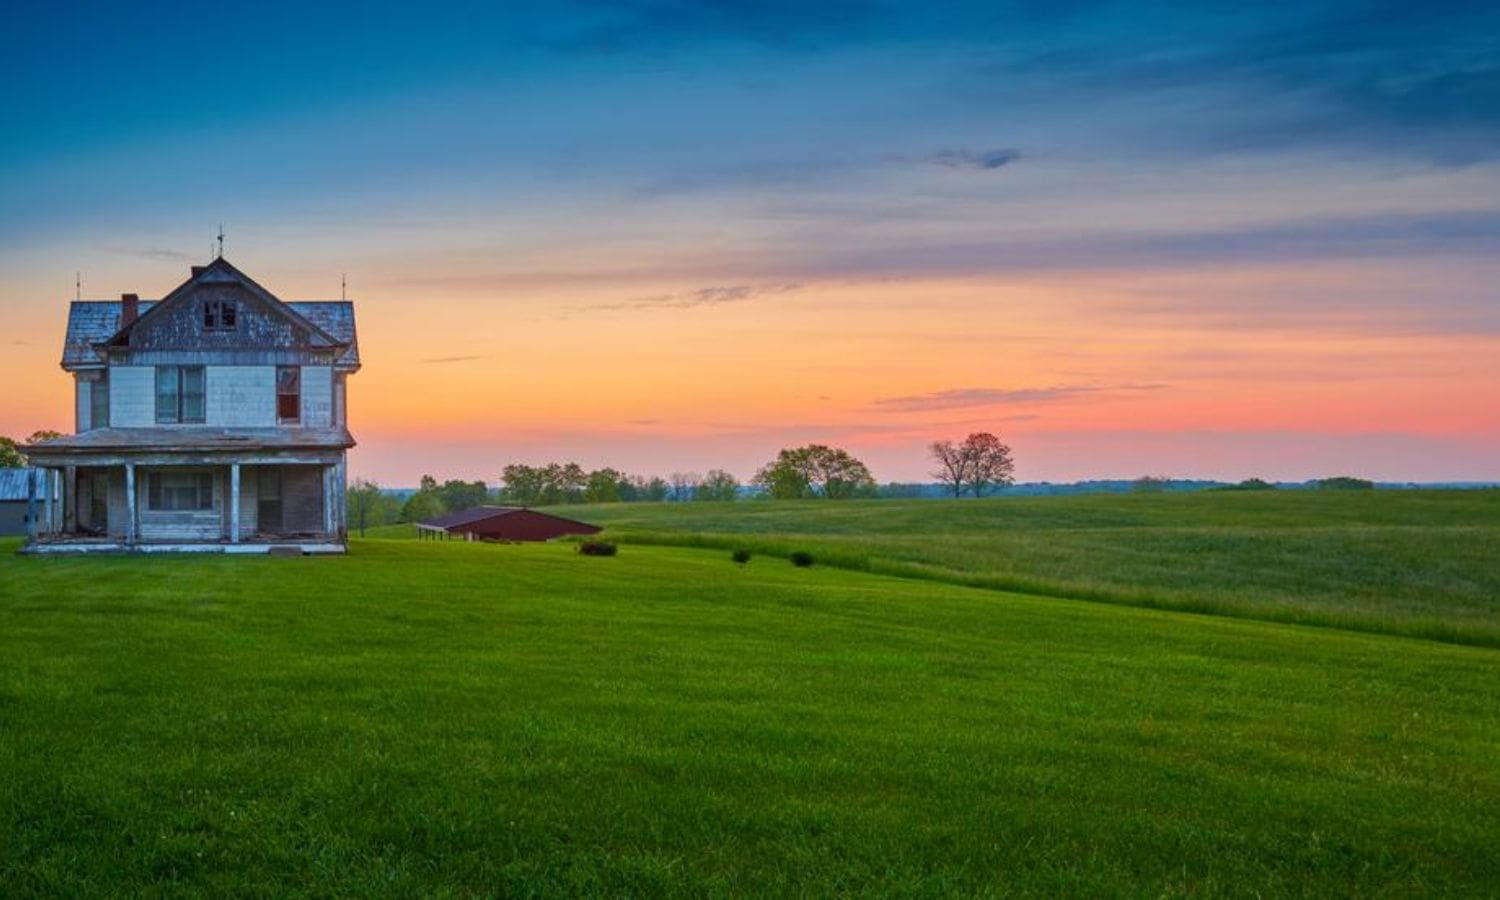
x: 502, y: 523
x: 16, y: 492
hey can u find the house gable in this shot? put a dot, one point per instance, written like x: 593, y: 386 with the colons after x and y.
x: 221, y: 311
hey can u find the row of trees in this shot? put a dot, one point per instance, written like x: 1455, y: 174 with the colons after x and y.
x: 557, y: 483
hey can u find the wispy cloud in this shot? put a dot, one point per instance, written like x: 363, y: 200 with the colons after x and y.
x: 983, y: 160
x: 709, y: 296
x: 963, y: 398
x: 156, y: 254
x: 444, y: 360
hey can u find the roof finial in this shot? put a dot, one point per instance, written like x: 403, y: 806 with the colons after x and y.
x: 77, y: 285
x: 221, y: 240
x: 344, y: 286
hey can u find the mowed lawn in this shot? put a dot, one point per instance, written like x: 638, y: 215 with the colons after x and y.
x: 1422, y: 562
x: 455, y: 719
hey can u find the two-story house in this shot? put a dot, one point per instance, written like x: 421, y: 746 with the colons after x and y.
x: 214, y: 418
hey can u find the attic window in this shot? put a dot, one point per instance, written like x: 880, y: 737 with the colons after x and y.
x: 218, y: 315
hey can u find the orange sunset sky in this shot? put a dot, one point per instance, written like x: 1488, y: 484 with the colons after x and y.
x: 684, y: 248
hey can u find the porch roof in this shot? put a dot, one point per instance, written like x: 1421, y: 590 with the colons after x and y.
x: 194, y: 439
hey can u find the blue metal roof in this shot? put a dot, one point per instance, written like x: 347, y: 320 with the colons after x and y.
x: 13, y: 484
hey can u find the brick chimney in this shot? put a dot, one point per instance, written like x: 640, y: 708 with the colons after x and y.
x: 130, y: 307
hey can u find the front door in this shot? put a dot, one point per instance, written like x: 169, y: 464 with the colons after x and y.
x: 268, y: 515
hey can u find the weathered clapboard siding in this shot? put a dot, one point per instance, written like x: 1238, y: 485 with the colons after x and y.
x: 83, y: 410
x: 317, y: 396
x: 340, y: 398
x: 132, y: 396
x: 178, y: 324
x: 240, y: 396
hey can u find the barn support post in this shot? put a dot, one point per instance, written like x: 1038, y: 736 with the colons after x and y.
x: 31, y: 523
x: 130, y: 510
x: 234, y: 503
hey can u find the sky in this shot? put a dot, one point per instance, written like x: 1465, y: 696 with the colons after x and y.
x: 1216, y: 240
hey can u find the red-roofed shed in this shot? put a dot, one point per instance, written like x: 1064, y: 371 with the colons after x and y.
x: 503, y: 523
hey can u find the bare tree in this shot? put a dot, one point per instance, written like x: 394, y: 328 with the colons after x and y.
x: 952, y: 466
x: 988, y: 462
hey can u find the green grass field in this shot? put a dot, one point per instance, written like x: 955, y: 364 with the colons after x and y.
x: 464, y: 719
x: 1419, y: 563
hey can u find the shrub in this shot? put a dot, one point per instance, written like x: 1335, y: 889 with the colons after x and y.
x: 740, y: 556
x: 801, y: 559
x: 597, y: 548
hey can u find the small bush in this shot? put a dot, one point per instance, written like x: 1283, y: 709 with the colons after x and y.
x: 801, y: 559
x: 597, y: 548
x: 740, y: 556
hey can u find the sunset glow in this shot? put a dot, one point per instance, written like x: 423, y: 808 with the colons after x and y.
x: 676, y: 245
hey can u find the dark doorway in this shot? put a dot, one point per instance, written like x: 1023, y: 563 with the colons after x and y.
x: 268, y: 509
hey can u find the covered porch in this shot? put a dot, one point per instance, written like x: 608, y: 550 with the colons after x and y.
x: 250, y: 500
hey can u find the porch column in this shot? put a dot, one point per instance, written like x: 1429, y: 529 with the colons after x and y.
x: 31, y: 524
x: 70, y: 500
x: 327, y: 500
x: 46, y: 500
x: 234, y: 503
x: 130, y: 511
x: 58, y: 502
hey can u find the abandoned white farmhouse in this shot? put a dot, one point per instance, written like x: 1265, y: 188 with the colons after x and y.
x: 212, y: 419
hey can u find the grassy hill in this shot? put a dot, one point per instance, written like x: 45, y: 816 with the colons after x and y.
x: 429, y: 718
x: 1419, y: 563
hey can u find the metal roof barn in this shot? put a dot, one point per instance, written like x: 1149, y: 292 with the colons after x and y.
x: 14, y: 498
x: 503, y: 523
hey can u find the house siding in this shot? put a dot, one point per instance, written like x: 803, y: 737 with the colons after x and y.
x: 132, y: 396
x: 240, y: 396
x: 82, y: 410
x: 317, y: 396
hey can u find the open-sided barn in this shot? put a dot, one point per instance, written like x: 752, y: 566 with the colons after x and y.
x: 503, y: 523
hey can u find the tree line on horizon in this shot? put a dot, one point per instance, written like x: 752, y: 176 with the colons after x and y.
x: 807, y: 472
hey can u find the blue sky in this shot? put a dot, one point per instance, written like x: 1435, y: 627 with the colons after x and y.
x: 548, y: 160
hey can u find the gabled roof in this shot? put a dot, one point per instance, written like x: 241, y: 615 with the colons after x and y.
x: 485, y: 513
x: 470, y: 516
x: 95, y: 322
x: 221, y: 272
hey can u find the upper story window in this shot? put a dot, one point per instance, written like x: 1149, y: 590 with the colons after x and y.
x: 288, y: 394
x: 99, y: 401
x: 219, y: 315
x: 179, y: 394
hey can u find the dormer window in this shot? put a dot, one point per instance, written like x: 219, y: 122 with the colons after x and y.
x: 218, y: 315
